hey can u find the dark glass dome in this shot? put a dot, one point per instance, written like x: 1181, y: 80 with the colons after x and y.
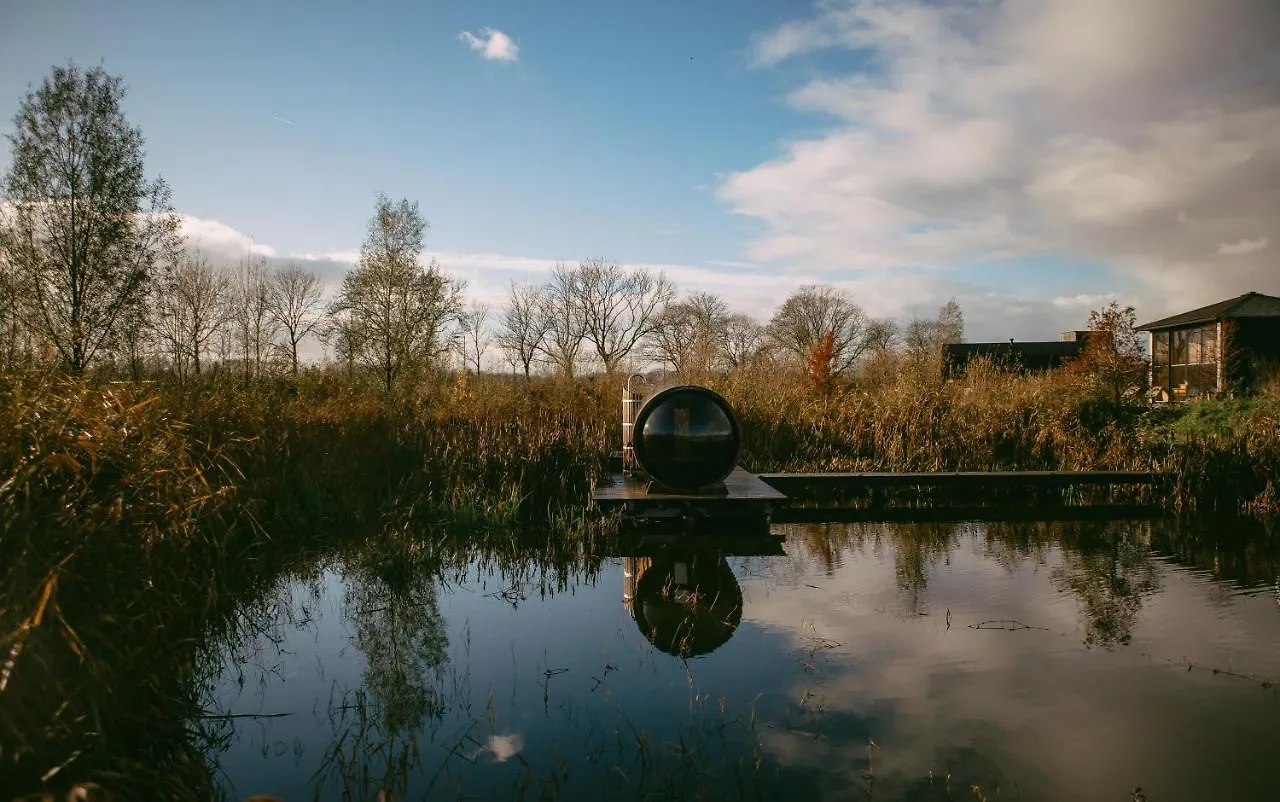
x: 686, y: 437
x: 688, y: 605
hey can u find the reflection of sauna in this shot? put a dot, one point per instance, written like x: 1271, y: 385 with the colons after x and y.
x: 685, y: 604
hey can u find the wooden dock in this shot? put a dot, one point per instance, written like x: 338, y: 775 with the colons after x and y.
x: 953, y: 481
x: 744, y: 496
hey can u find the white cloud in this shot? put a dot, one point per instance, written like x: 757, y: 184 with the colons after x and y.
x: 219, y: 237
x: 491, y: 44
x: 1144, y: 135
x: 745, y: 286
x: 1242, y: 247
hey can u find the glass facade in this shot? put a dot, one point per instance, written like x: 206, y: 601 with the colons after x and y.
x: 1184, y: 362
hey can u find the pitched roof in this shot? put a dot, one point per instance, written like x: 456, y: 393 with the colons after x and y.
x: 1251, y: 304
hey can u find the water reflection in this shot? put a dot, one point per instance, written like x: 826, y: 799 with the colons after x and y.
x: 493, y: 667
x: 687, y: 604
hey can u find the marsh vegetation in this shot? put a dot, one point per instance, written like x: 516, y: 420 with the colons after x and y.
x: 173, y: 473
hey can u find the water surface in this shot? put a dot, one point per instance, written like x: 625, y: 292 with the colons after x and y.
x: 891, y: 661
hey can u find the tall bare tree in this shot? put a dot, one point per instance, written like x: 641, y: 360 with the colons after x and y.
x: 194, y: 299
x: 691, y: 334
x: 250, y: 300
x: 400, y: 311
x: 82, y: 227
x: 295, y: 301
x: 566, y: 323
x: 523, y: 325
x: 744, y: 337
x: 805, y: 318
x: 473, y: 337
x: 619, y: 307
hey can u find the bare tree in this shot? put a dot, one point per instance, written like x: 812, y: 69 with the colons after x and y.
x: 250, y: 314
x: 812, y: 312
x: 194, y: 298
x: 473, y: 336
x: 691, y: 334
x: 566, y: 323
x: 295, y: 301
x: 925, y: 338
x: 523, y: 325
x: 619, y: 307
x: 398, y: 311
x: 744, y: 337
x: 82, y: 227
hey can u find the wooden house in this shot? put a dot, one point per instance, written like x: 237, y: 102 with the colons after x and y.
x: 1217, y: 348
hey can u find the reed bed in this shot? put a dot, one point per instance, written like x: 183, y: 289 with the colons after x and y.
x: 132, y: 516
x: 1221, y: 456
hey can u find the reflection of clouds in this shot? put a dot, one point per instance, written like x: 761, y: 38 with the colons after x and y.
x: 995, y: 708
x: 504, y: 747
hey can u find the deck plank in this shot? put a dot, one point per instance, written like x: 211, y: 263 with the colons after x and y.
x: 740, y: 486
x: 834, y: 481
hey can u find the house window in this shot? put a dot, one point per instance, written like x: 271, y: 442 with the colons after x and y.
x: 1160, y: 348
x: 1192, y: 360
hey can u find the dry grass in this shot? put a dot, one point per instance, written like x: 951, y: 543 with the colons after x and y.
x: 128, y: 513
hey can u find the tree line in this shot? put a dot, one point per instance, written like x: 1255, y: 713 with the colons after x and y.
x: 94, y: 270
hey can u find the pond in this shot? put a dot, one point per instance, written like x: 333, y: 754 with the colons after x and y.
x: 1071, y: 660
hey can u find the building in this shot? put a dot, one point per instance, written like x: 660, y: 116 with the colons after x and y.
x: 1014, y: 356
x: 1217, y: 348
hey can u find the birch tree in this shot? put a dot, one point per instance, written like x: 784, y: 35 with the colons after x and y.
x: 400, y: 311
x: 81, y: 227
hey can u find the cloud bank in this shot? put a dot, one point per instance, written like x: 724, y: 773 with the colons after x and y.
x: 1143, y: 134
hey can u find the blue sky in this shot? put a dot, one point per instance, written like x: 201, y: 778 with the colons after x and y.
x: 907, y: 151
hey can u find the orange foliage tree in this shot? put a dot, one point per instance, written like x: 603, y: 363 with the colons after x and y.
x: 818, y: 362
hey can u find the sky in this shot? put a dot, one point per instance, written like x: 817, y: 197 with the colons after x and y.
x: 1033, y: 159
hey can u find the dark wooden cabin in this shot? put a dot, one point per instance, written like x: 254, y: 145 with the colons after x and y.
x: 1014, y: 356
x: 1222, y: 347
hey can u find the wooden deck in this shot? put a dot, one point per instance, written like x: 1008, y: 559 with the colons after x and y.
x: 811, y: 483
x: 744, y: 495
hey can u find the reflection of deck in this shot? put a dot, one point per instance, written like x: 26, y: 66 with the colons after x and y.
x: 744, y: 495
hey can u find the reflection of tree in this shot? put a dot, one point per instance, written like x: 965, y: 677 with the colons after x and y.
x: 398, y: 627
x: 392, y: 607
x: 1245, y: 552
x: 1108, y: 567
x: 917, y: 547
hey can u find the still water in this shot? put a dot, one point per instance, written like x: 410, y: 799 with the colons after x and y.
x: 1071, y: 661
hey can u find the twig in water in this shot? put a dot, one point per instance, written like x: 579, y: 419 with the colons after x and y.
x: 1006, y: 624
